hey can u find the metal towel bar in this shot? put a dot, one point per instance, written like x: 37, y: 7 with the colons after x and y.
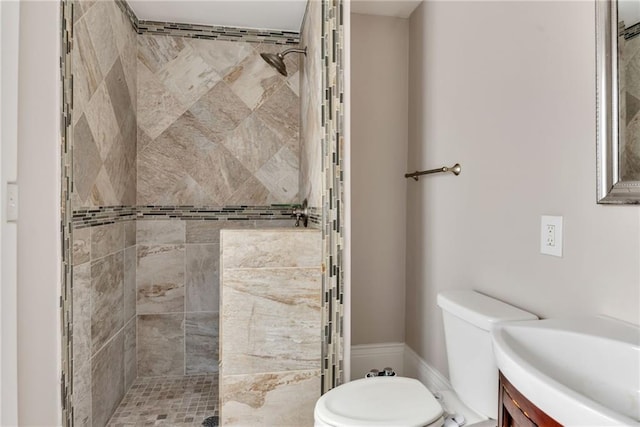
x: 455, y: 169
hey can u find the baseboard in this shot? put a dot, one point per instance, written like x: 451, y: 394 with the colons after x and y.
x: 401, y: 358
x: 417, y: 367
x: 376, y: 356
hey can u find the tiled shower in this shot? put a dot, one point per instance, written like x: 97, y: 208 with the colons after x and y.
x: 173, y: 139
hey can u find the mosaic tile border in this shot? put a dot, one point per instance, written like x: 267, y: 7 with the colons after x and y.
x: 631, y: 32
x: 211, y: 32
x: 333, y: 194
x: 66, y: 83
x: 92, y: 217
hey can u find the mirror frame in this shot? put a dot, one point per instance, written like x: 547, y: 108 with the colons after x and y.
x: 610, y: 189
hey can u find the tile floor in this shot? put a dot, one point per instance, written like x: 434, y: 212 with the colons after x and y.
x: 167, y: 401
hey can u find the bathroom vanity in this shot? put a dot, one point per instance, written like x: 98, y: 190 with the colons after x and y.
x: 517, y: 411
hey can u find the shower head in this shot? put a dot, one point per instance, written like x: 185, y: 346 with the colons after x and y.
x: 276, y: 60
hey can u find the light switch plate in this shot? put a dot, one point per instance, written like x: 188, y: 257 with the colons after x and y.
x: 551, y: 235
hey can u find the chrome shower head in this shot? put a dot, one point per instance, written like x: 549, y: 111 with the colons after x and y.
x: 276, y: 60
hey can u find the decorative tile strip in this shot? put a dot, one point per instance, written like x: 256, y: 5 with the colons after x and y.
x: 92, y: 217
x: 272, y: 212
x: 315, y: 217
x: 219, y: 33
x: 631, y: 31
x: 333, y: 194
x: 66, y: 375
x: 212, y: 32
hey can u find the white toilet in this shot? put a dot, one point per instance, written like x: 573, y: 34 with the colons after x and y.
x: 403, y: 402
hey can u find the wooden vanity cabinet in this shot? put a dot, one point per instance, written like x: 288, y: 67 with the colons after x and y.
x: 515, y: 410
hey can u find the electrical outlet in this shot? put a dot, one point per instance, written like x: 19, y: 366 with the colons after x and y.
x: 551, y: 235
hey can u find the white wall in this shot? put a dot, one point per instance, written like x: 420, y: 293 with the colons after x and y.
x: 9, y: 39
x: 507, y: 89
x: 379, y: 101
x: 39, y: 222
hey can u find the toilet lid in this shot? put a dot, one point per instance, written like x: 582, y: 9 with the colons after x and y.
x: 381, y: 401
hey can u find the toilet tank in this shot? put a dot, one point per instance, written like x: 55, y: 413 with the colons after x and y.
x: 468, y: 317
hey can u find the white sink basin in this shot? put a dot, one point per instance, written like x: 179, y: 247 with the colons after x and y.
x: 580, y: 371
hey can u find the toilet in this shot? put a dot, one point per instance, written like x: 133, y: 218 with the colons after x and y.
x: 468, y: 317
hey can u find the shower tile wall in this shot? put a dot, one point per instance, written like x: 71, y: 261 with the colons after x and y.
x: 216, y: 125
x: 311, y: 133
x: 104, y: 106
x: 104, y: 322
x: 103, y: 149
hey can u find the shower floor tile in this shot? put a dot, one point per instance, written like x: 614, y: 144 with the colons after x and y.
x: 167, y: 401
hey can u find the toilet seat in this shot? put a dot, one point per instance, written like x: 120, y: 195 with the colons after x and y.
x: 381, y: 401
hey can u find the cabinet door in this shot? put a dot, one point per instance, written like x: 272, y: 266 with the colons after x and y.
x: 515, y: 410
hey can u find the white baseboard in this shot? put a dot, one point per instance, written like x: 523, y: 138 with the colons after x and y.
x: 401, y: 358
x: 376, y: 356
x: 416, y: 367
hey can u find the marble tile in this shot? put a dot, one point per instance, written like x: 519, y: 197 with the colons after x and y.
x: 106, y: 239
x: 254, y: 81
x: 157, y: 107
x: 270, y: 248
x: 107, y: 380
x: 185, y: 150
x: 107, y: 299
x: 103, y: 193
x: 220, y: 109
x: 102, y: 120
x: 280, y: 176
x: 160, y: 231
x: 99, y: 26
x: 252, y: 192
x: 202, y: 281
x: 82, y: 395
x: 130, y: 263
x: 204, y: 231
x: 154, y: 51
x: 85, y: 67
x: 270, y: 399
x: 188, y: 76
x: 294, y: 83
x: 160, y: 344
x: 222, y: 55
x: 130, y: 354
x: 159, y: 170
x: 160, y: 279
x: 118, y: 90
x: 123, y: 33
x: 130, y: 233
x: 81, y: 7
x: 81, y: 315
x: 271, y: 320
x: 220, y: 172
x: 86, y: 158
x: 143, y: 140
x: 117, y: 165
x: 252, y: 143
x: 201, y: 343
x: 81, y: 245
x: 281, y: 112
x: 190, y: 191
x: 279, y: 223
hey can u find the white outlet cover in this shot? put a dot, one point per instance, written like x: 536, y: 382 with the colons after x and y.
x: 556, y: 222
